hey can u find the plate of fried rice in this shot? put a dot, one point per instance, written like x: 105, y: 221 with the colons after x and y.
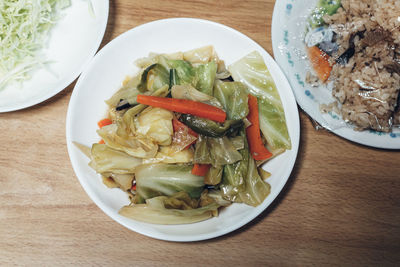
x: 342, y: 59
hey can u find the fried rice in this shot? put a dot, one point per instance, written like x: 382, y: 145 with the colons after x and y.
x: 367, y: 85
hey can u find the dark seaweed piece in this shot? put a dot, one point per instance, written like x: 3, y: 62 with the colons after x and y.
x: 229, y: 79
x: 349, y: 53
x: 123, y: 104
x: 345, y: 57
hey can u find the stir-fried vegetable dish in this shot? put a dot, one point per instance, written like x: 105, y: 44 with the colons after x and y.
x: 187, y: 136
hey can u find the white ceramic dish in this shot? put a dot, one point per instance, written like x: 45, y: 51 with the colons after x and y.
x: 288, y: 28
x: 103, y: 76
x: 73, y: 42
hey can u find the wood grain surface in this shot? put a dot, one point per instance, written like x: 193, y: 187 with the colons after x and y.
x: 341, y: 205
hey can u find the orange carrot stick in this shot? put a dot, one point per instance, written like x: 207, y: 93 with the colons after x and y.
x: 257, y: 149
x: 184, y: 106
x: 200, y: 169
x: 320, y: 63
x: 104, y: 122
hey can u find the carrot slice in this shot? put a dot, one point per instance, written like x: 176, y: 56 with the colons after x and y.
x: 200, y: 169
x: 257, y: 149
x: 184, y: 106
x: 102, y: 141
x: 177, y: 125
x: 104, y: 122
x: 320, y: 63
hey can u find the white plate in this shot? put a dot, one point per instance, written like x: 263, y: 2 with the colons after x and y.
x: 103, y: 77
x: 288, y: 28
x: 73, y: 41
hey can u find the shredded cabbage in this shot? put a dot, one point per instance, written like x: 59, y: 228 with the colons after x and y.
x: 24, y: 27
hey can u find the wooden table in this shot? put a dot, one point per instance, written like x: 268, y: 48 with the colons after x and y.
x: 341, y: 205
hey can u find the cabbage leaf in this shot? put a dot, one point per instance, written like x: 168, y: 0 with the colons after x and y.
x: 136, y: 146
x: 252, y: 71
x: 107, y: 160
x: 201, y: 55
x: 155, y: 211
x: 123, y: 181
x: 201, y: 77
x: 166, y: 179
x: 153, y: 78
x: 256, y: 190
x: 233, y: 97
x: 241, y: 181
x: 205, y: 77
x: 215, y: 151
x: 213, y: 176
x: 155, y: 124
x: 171, y: 154
x: 127, y: 92
x: 189, y: 92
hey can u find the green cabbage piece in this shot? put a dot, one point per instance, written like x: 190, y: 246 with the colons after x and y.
x: 202, y: 153
x: 155, y: 124
x: 216, y: 151
x: 187, y: 91
x: 172, y: 154
x: 136, y: 146
x: 241, y: 181
x: 237, y: 142
x: 234, y: 98
x: 217, y: 196
x: 166, y: 179
x: 127, y: 92
x: 84, y: 149
x: 201, y: 77
x: 153, y: 78
x: 213, y: 176
x: 234, y: 175
x: 205, y: 76
x: 155, y: 211
x: 252, y: 71
x: 130, y: 89
x: 273, y: 125
x: 107, y: 160
x: 184, y: 71
x: 203, y: 55
x: 256, y: 190
x: 222, y: 151
x: 123, y: 181
x: 126, y: 126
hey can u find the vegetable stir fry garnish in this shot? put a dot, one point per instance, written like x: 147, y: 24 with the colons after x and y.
x: 182, y: 139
